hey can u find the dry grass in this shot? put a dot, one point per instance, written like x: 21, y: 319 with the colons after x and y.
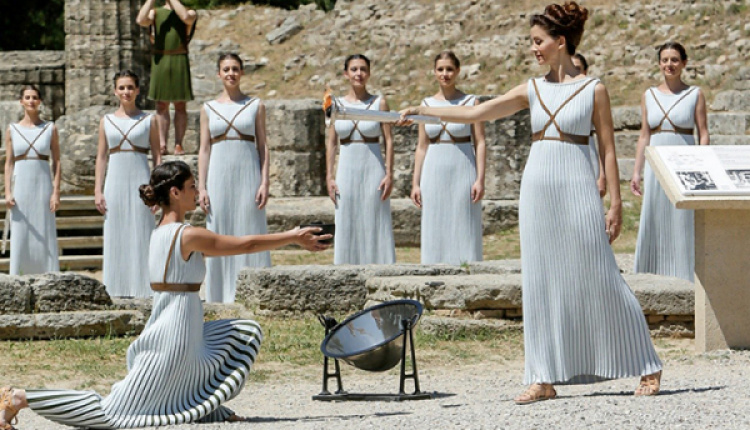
x: 290, y: 351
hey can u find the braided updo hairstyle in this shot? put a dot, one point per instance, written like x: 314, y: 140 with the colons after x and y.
x: 165, y: 176
x: 565, y: 20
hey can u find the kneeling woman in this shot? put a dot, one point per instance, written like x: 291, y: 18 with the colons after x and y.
x: 180, y: 369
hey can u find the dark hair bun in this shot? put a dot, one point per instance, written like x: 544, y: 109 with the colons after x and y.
x: 567, y: 19
x: 164, y: 176
x: 148, y: 195
x: 568, y: 15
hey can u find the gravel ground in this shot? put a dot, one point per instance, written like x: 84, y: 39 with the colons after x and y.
x: 698, y: 392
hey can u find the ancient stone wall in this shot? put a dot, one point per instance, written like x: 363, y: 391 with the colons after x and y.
x: 45, y: 69
x: 101, y: 39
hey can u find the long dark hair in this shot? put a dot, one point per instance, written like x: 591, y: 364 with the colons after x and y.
x: 565, y: 20
x: 165, y: 176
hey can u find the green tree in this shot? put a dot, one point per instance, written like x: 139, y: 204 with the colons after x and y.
x: 32, y: 25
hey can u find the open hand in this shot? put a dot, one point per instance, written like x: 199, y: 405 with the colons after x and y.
x: 307, y: 239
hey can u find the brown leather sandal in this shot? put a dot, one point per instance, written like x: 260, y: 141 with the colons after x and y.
x: 178, y: 150
x: 536, y: 393
x: 649, y: 385
x: 6, y: 405
x: 234, y: 418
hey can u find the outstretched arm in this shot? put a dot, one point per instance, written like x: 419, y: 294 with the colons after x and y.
x: 196, y: 239
x: 499, y: 107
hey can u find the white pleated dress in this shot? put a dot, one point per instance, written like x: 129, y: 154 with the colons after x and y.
x: 582, y: 323
x: 364, y: 230
x: 666, y: 235
x: 180, y: 369
x: 451, y: 224
x: 33, y: 234
x: 128, y: 223
x: 234, y: 176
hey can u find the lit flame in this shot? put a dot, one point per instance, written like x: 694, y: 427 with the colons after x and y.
x: 327, y: 101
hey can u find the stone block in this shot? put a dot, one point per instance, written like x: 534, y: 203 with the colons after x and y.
x: 51, y: 292
x: 14, y: 298
x: 731, y: 100
x: 468, y: 292
x: 726, y: 124
x: 626, y: 143
x: 79, y: 137
x: 67, y: 291
x: 296, y: 289
x: 625, y: 167
x: 661, y: 295
x: 286, y: 30
x: 70, y: 324
x: 626, y: 118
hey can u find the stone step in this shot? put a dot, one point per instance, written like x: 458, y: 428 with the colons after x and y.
x: 89, y: 222
x: 67, y: 203
x: 70, y: 324
x: 68, y: 262
x: 80, y: 242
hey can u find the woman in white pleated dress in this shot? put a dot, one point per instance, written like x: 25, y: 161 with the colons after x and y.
x: 363, y: 182
x: 32, y: 194
x: 180, y: 369
x: 448, y: 181
x: 582, y: 323
x: 233, y: 176
x: 670, y: 113
x: 125, y: 139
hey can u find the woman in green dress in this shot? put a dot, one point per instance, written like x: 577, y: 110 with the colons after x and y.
x: 172, y: 27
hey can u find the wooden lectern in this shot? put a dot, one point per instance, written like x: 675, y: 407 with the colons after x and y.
x: 722, y: 262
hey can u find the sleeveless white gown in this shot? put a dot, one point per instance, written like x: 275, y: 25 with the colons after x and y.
x: 582, y: 323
